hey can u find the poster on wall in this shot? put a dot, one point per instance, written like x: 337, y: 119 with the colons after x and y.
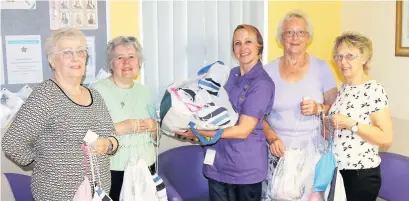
x: 81, y: 14
x: 18, y: 4
x: 2, y: 80
x: 90, y: 70
x: 24, y: 60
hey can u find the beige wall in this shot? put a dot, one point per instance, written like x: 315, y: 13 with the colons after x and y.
x: 376, y: 19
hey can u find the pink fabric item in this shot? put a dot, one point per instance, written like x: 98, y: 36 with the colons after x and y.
x: 84, y: 191
x: 316, y: 196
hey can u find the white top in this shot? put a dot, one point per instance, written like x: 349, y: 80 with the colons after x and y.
x: 357, y: 102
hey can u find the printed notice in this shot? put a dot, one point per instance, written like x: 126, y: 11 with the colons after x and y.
x: 24, y: 60
x: 90, y: 70
x: 18, y: 4
x: 2, y: 80
x: 81, y: 14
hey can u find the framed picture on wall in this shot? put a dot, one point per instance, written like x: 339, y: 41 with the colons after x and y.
x: 402, y: 29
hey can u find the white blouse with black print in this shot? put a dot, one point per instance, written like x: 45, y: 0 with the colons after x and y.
x: 357, y: 102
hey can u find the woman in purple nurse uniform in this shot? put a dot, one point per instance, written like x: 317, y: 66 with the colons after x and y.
x: 296, y: 75
x: 236, y: 165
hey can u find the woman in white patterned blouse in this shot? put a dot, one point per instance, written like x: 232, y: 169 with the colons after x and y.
x: 361, y: 118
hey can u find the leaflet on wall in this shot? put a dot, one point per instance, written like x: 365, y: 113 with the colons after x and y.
x: 2, y: 80
x: 10, y: 104
x: 24, y: 92
x: 24, y: 60
x: 81, y: 14
x: 18, y: 4
x: 90, y: 71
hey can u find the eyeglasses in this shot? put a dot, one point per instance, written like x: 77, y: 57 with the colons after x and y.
x: 291, y: 33
x: 349, y: 57
x: 69, y: 54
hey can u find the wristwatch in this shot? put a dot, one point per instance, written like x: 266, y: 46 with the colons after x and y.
x: 355, y: 128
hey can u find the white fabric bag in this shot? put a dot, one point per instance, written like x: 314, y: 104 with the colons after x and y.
x: 201, y: 100
x: 138, y: 184
x: 294, y: 174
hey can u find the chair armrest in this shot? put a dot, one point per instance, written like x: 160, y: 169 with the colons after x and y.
x: 173, y: 195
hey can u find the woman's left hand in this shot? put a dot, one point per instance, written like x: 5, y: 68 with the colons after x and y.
x: 339, y: 121
x: 188, y: 134
x: 100, y: 146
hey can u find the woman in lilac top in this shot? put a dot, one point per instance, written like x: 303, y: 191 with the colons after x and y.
x: 296, y: 75
x: 239, y: 162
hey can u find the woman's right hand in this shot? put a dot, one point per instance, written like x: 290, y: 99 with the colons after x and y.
x: 277, y: 147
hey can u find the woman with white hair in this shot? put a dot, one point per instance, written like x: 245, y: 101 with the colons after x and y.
x: 297, y: 75
x: 131, y: 107
x: 50, y: 127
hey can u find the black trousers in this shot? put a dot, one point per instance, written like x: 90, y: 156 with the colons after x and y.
x: 363, y: 184
x: 117, y: 177
x: 219, y: 191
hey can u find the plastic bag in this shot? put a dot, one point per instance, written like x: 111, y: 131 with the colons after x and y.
x: 294, y: 174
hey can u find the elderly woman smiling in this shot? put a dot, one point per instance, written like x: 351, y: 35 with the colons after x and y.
x: 130, y: 105
x: 50, y: 127
x: 296, y: 75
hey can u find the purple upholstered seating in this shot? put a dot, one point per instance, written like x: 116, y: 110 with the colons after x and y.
x: 20, y: 186
x: 181, y: 171
x: 395, y: 177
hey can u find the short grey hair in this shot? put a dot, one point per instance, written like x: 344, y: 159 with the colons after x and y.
x: 294, y: 14
x: 59, y: 34
x: 124, y: 41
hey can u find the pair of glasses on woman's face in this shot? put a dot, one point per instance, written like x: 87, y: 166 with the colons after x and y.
x: 291, y: 33
x: 348, y: 57
x: 69, y: 54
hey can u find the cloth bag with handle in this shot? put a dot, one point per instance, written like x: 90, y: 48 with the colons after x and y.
x: 84, y: 191
x: 138, y: 183
x: 199, y: 103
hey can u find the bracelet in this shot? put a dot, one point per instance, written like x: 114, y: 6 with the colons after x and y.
x: 320, y: 109
x: 110, y: 146
x: 272, y: 140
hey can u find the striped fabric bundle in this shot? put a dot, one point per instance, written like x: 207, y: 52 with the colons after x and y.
x: 100, y: 195
x: 201, y: 101
x: 160, y: 188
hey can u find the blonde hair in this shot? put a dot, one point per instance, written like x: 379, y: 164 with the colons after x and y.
x: 358, y: 41
x: 290, y: 15
x: 252, y: 30
x: 58, y: 34
x: 124, y: 41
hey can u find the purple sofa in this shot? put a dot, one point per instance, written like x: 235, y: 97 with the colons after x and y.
x: 181, y: 171
x: 395, y: 177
